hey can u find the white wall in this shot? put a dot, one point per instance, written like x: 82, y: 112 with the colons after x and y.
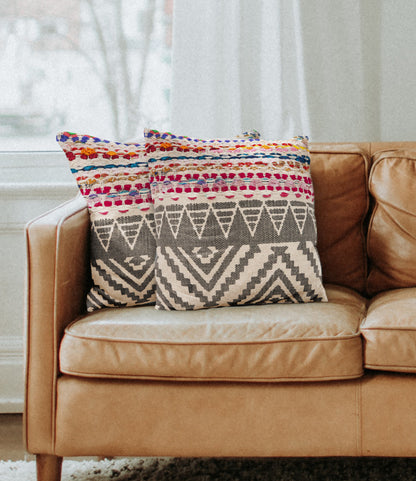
x: 30, y: 185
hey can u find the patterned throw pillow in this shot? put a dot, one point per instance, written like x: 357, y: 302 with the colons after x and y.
x: 113, y: 177
x: 235, y: 222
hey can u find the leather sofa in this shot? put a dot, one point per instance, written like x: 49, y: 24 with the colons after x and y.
x: 319, y: 379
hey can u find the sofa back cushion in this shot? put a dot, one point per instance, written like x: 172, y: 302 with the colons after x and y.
x: 392, y: 227
x: 340, y: 174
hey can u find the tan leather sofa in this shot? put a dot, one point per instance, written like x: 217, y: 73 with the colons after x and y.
x: 322, y: 379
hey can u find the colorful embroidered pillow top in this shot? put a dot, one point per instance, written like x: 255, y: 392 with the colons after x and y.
x: 235, y: 222
x: 113, y: 177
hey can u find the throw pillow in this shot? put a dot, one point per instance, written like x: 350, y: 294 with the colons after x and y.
x: 113, y: 177
x: 235, y: 222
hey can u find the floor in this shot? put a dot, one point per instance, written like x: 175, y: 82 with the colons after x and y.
x: 11, y: 438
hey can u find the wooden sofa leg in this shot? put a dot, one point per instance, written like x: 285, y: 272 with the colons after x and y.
x: 48, y: 467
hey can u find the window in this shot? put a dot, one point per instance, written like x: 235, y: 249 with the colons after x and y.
x: 91, y: 66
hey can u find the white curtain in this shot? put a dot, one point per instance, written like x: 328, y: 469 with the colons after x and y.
x: 336, y: 70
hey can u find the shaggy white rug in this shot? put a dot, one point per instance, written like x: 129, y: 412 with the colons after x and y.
x: 210, y: 469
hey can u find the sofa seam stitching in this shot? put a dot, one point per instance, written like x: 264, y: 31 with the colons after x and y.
x: 56, y: 356
x: 252, y: 380
x: 208, y: 343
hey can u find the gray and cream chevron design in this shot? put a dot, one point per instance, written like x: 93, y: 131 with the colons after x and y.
x: 122, y: 264
x: 236, y: 252
x: 270, y: 273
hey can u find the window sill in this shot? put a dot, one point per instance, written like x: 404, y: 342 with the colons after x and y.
x: 38, y: 167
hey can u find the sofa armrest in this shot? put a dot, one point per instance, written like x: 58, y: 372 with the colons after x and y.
x: 57, y: 281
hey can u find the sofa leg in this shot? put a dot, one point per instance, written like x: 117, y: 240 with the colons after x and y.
x: 48, y: 467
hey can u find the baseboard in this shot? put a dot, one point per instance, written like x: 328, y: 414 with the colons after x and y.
x: 11, y: 374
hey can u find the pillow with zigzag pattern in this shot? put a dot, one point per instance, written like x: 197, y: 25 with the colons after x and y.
x: 235, y: 222
x: 113, y: 177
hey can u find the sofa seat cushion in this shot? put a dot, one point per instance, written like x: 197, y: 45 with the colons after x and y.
x: 290, y: 342
x: 390, y: 331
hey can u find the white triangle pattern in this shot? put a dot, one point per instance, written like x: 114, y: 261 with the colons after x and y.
x: 158, y: 222
x: 130, y: 230
x: 104, y: 233
x: 174, y: 219
x: 252, y: 217
x: 278, y: 215
x: 300, y: 213
x: 198, y: 220
x: 225, y: 217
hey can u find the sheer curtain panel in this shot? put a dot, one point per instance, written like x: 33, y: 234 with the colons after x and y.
x: 335, y: 70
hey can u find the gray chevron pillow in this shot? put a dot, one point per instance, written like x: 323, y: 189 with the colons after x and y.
x: 113, y: 177
x: 235, y: 222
